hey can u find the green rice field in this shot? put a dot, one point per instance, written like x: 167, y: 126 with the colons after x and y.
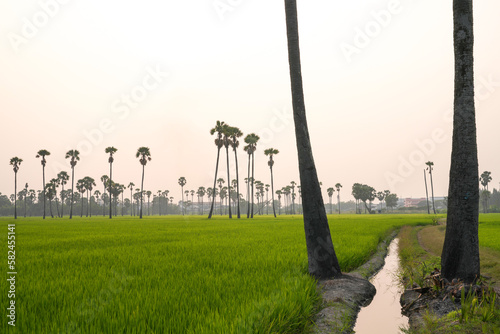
x: 179, y: 274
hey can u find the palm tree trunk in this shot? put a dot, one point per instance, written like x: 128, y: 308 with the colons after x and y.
x: 228, y: 183
x: 460, y: 256
x: 215, y: 182
x: 323, y: 261
x: 57, y: 206
x: 142, y: 185
x: 15, y: 195
x: 25, y: 203
x: 432, y: 193
x: 272, y: 192
x: 50, y: 208
x: 110, y: 184
x: 72, y: 193
x: 426, y: 193
x: 62, y: 201
x: 248, y: 187
x: 237, y: 183
x: 338, y: 201
x: 253, y: 174
x: 43, y: 176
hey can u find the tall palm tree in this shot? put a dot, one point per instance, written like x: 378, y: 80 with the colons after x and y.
x: 271, y: 152
x: 236, y: 133
x: 89, y: 184
x: 15, y: 162
x: 110, y: 150
x: 159, y: 201
x: 55, y: 183
x: 25, y: 194
x: 293, y: 183
x: 131, y: 186
x: 182, y: 182
x: 192, y: 201
x: 278, y: 192
x: 165, y: 193
x: 43, y: 154
x: 63, y: 178
x: 219, y: 129
x: 104, y: 180
x: 460, y: 255
x: 252, y: 140
x: 226, y: 132
x: 330, y: 192
x: 145, y: 155
x: 485, y: 178
x: 50, y: 191
x: 338, y: 186
x: 426, y: 193
x: 429, y: 168
x: 74, y: 156
x: 201, y: 193
x: 321, y: 254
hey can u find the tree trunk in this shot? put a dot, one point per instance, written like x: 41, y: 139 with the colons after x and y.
x: 253, y: 179
x: 142, y: 188
x: 215, y: 183
x: 43, y: 191
x: 272, y: 192
x: 460, y: 256
x: 228, y: 183
x: 432, y: 192
x: 110, y: 184
x: 15, y: 195
x: 248, y: 187
x: 72, y: 193
x: 237, y: 183
x: 426, y: 194
x: 338, y: 201
x: 321, y: 255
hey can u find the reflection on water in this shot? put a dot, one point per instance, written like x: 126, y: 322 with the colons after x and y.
x: 383, y: 315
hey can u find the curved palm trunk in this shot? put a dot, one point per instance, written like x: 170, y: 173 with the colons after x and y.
x: 215, y: 183
x: 253, y: 169
x: 460, y: 256
x: 426, y: 194
x: 110, y: 183
x: 142, y: 185
x: 321, y: 254
x: 432, y: 193
x: 15, y: 195
x: 72, y: 193
x: 228, y: 183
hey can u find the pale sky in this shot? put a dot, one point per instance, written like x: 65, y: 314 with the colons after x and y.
x: 378, y: 80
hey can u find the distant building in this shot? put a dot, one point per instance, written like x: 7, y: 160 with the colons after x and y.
x: 413, y: 202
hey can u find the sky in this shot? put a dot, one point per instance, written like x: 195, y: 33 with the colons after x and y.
x: 378, y: 81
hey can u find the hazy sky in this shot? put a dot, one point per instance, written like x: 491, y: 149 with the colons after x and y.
x: 378, y: 80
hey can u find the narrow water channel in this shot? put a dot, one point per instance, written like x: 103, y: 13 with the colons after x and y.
x: 383, y: 315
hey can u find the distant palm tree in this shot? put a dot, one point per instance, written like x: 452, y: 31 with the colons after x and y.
x: 271, y: 152
x: 110, y: 150
x: 182, y: 182
x: 225, y: 140
x: 338, y: 186
x: 165, y: 193
x: 50, y: 191
x: 485, y: 178
x: 330, y: 192
x: 322, y: 259
x: 148, y: 194
x: 219, y: 129
x: 159, y: 201
x: 429, y: 168
x: 220, y: 181
x: 380, y: 197
x: 131, y: 186
x: 278, y: 192
x: 293, y: 196
x: 251, y: 141
x: 145, y: 155
x: 25, y: 194
x: 43, y: 154
x: 192, y: 201
x: 75, y: 157
x: 89, y: 184
x: 201, y: 193
x: 63, y: 178
x: 15, y: 163
x: 80, y: 186
x: 55, y: 183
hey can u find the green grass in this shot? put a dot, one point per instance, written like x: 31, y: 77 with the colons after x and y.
x: 489, y: 231
x: 175, y: 274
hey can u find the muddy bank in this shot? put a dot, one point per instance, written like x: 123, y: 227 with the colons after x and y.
x: 343, y: 297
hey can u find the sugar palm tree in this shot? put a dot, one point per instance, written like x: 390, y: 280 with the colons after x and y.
x: 182, y: 182
x: 485, y: 178
x: 63, y: 178
x: 201, y: 193
x: 80, y: 186
x: 226, y: 132
x: 338, y: 186
x: 131, y: 186
x: 43, y: 154
x: 89, y: 184
x: 271, y: 152
x: 234, y: 134
x: 55, y: 183
x: 15, y: 162
x: 323, y: 261
x: 192, y: 200
x: 251, y: 141
x: 50, y: 191
x: 278, y: 192
x: 159, y: 201
x: 145, y: 155
x: 429, y: 168
x: 74, y: 156
x: 219, y: 129
x: 220, y: 181
x: 110, y: 150
x: 25, y: 195
x: 330, y: 192
x: 165, y: 193
x: 148, y: 194
x: 460, y: 255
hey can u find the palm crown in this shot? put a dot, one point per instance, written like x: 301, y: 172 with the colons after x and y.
x: 15, y: 162
x: 144, y: 154
x: 43, y: 154
x: 74, y: 155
